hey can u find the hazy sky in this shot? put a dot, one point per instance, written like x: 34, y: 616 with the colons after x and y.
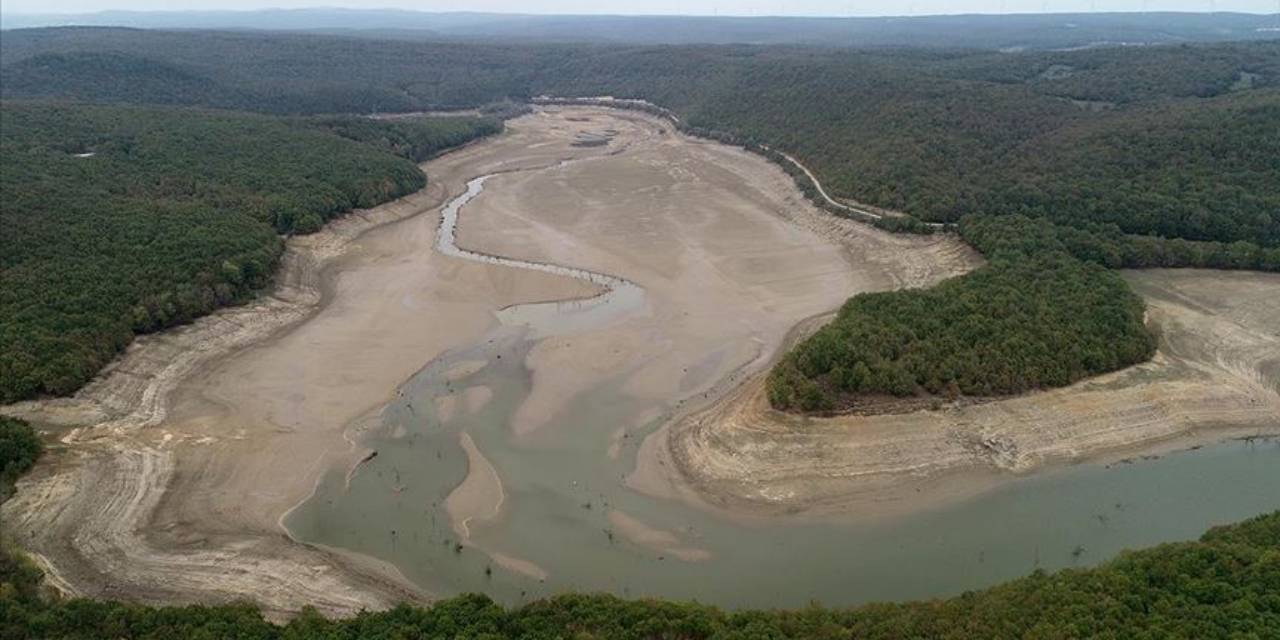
x: 700, y: 7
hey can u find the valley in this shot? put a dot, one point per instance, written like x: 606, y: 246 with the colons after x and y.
x: 577, y: 363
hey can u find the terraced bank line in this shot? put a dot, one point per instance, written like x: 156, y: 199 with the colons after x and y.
x: 649, y: 107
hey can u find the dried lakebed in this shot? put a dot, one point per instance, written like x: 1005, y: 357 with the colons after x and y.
x: 534, y: 511
x: 483, y: 386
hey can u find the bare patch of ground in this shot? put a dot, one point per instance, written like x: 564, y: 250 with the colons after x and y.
x: 478, y: 501
x: 480, y: 496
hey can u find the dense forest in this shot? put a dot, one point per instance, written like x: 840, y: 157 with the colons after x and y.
x: 1044, y: 313
x: 125, y: 220
x: 1107, y: 245
x: 415, y: 139
x: 1175, y: 141
x: 1021, y: 323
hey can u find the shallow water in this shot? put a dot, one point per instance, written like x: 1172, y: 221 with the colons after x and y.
x: 560, y: 486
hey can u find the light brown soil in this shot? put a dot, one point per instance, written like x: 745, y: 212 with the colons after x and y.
x: 479, y: 500
x: 188, y: 450
x: 1216, y: 376
x: 185, y: 454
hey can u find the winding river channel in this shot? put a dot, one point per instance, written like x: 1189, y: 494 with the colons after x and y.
x: 544, y: 318
x: 559, y: 522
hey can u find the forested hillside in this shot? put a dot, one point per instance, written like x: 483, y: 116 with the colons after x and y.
x: 1014, y: 31
x: 1046, y: 312
x: 124, y: 220
x: 414, y: 138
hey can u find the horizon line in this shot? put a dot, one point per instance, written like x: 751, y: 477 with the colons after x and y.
x: 631, y: 15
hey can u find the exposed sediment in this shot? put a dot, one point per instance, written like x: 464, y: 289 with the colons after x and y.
x: 180, y: 459
x: 179, y: 462
x: 1216, y: 375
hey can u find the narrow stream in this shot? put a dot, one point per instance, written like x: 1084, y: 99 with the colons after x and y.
x: 544, y: 318
x: 560, y: 487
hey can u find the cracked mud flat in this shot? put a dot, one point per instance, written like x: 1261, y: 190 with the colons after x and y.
x: 1216, y: 376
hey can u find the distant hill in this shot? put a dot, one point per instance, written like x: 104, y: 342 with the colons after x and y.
x: 121, y: 220
x: 1008, y: 32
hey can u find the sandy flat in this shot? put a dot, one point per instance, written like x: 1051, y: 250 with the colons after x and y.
x: 519, y: 565
x: 660, y: 540
x: 478, y: 500
x: 189, y: 450
x: 446, y: 406
x: 729, y: 254
x: 464, y: 369
x: 476, y: 397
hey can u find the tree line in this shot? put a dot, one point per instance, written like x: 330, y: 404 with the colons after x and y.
x: 19, y: 448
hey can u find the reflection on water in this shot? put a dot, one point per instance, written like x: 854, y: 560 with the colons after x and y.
x: 561, y: 486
